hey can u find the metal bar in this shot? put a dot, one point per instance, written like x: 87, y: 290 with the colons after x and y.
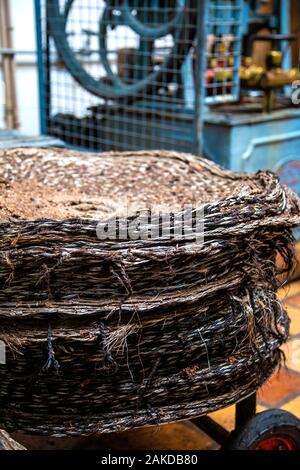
x: 285, y: 28
x: 212, y: 429
x: 244, y: 410
x: 202, y: 13
x: 40, y: 64
x: 8, y: 66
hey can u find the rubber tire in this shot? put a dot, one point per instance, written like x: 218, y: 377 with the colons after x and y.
x: 264, y: 425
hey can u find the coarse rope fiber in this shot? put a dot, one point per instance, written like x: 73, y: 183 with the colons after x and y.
x: 102, y: 334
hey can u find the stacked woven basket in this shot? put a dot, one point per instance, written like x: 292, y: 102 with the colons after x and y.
x: 106, y: 334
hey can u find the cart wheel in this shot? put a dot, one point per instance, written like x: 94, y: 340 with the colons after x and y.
x: 269, y: 430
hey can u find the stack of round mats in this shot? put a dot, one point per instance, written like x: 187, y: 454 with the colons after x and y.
x: 148, y: 323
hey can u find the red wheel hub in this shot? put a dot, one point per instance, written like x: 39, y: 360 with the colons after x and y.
x: 276, y: 443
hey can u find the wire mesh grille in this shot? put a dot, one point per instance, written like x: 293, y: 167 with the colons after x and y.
x: 121, y: 74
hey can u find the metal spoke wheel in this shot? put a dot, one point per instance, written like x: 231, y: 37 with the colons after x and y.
x: 269, y: 430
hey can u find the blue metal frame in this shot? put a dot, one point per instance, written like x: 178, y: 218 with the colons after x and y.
x: 237, y: 13
x: 238, y: 49
x: 200, y: 78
